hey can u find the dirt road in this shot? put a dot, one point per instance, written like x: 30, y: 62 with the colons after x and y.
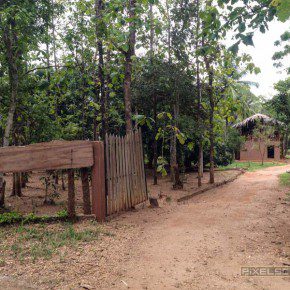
x: 204, y: 243
x: 201, y: 244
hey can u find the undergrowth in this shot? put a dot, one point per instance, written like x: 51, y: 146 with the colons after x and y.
x: 42, y: 242
x: 9, y: 218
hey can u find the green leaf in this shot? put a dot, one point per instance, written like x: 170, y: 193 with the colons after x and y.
x: 242, y: 27
x: 247, y: 39
x: 235, y: 47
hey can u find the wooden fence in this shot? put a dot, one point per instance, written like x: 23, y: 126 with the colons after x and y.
x: 62, y: 155
x: 125, y: 175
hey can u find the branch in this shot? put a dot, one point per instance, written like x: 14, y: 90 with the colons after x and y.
x: 47, y: 67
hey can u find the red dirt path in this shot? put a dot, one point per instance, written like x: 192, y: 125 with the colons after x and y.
x: 200, y: 244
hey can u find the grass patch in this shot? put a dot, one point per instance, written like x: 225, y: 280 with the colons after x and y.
x: 9, y: 218
x: 284, y: 179
x: 42, y: 242
x: 251, y: 166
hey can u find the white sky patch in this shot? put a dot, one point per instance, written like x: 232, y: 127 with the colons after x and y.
x: 262, y: 54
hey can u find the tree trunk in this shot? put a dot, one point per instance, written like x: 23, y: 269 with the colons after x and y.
x: 168, y: 30
x: 101, y: 76
x: 71, y: 194
x: 199, y: 96
x: 155, y: 153
x: 128, y: 66
x: 173, y: 157
x: 173, y: 150
x: 62, y: 181
x: 285, y: 143
x: 86, y: 191
x: 12, y: 55
x: 154, y: 99
x: 211, y: 126
x: 127, y: 92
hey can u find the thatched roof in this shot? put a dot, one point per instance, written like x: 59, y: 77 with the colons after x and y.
x: 251, y: 121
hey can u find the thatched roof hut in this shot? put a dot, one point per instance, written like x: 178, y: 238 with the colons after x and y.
x: 247, y: 125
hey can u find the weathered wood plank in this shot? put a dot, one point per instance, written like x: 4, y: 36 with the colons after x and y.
x: 47, y: 156
x: 124, y: 175
x: 118, y: 191
x: 98, y: 182
x: 108, y: 175
x: 113, y: 166
x: 128, y: 191
x: 143, y: 167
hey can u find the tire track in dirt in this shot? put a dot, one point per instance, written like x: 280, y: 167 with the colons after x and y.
x: 205, y: 242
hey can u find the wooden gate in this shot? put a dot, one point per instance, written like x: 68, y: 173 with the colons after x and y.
x: 125, y: 174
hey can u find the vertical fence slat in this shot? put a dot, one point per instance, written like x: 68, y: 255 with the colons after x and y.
x: 133, y: 169
x: 127, y: 164
x: 143, y: 167
x: 119, y: 197
x: 112, y: 172
x: 137, y: 167
x: 124, y: 201
x: 126, y: 183
x: 108, y: 175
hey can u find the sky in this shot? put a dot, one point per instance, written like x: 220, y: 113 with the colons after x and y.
x: 262, y: 54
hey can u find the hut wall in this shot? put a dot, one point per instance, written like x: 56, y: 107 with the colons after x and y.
x: 251, y: 152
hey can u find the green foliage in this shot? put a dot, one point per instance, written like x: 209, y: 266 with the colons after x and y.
x: 284, y: 179
x: 15, y: 217
x: 57, y: 55
x: 62, y: 214
x: 42, y: 243
x: 283, y: 9
x: 9, y: 218
x: 251, y: 166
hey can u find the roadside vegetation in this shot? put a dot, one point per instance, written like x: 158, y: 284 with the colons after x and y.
x: 285, y: 179
x: 43, y: 242
x: 13, y: 217
x: 250, y: 166
x: 76, y: 70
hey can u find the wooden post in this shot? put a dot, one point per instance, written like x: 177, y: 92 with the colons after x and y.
x: 98, y: 182
x: 71, y: 194
x: 2, y: 194
x: 86, y: 191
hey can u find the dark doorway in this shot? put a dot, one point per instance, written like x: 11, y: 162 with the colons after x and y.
x: 271, y: 152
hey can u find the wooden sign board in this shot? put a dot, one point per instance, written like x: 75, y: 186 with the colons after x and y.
x: 47, y: 156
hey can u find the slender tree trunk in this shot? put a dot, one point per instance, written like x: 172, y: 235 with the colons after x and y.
x: 177, y: 184
x: 12, y: 55
x: 128, y: 66
x: 101, y: 76
x: 173, y: 146
x: 211, y: 125
x: 155, y: 153
x: 168, y: 30
x: 210, y: 92
x: 128, y: 96
x: 173, y: 157
x: 17, y: 188
x: 154, y: 99
x: 285, y: 143
x: 199, y: 96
